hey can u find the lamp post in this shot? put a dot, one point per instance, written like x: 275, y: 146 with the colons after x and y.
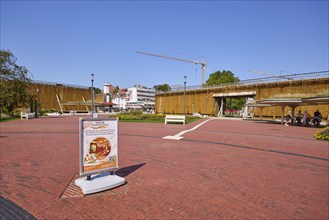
x: 92, y: 95
x: 207, y: 104
x: 185, y: 78
x: 37, y: 104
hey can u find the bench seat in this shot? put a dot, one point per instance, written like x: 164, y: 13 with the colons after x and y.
x: 175, y: 118
x: 27, y: 115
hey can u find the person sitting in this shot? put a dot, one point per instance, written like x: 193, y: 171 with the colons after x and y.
x: 317, y: 118
x: 288, y: 119
x: 299, y: 118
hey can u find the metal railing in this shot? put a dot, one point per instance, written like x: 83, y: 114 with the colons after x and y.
x: 282, y: 78
x: 59, y: 84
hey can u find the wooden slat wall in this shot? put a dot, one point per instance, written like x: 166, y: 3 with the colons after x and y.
x: 47, y: 96
x: 202, y: 101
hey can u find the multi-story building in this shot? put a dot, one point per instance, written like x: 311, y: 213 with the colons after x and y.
x: 137, y: 97
x: 140, y: 97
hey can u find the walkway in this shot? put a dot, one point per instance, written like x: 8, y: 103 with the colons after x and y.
x: 223, y: 169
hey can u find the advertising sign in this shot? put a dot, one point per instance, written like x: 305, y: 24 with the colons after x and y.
x: 98, y: 145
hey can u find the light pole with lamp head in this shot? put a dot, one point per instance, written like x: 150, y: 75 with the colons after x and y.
x: 92, y: 95
x: 37, y: 104
x: 185, y: 79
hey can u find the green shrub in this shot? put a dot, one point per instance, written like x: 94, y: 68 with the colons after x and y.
x: 139, y: 116
x: 134, y: 112
x: 322, y: 134
x: 7, y: 118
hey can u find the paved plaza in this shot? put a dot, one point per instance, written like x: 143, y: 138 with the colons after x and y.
x: 224, y: 169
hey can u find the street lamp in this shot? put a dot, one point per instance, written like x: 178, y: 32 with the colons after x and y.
x: 92, y: 95
x: 185, y: 79
x: 37, y: 104
x: 206, y: 104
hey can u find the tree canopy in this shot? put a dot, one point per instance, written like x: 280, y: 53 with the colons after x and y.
x: 220, y: 77
x: 98, y: 91
x: 163, y: 87
x: 14, y: 82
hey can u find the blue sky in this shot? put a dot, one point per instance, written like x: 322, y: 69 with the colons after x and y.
x: 66, y: 41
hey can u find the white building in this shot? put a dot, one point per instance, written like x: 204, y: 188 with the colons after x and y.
x: 140, y: 97
x: 117, y: 97
x: 120, y: 99
x: 137, y: 97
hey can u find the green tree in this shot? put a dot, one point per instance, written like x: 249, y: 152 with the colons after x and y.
x: 98, y: 91
x: 163, y: 87
x: 14, y: 82
x: 114, y: 91
x: 220, y: 77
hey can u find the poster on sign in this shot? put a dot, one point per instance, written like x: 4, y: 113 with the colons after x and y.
x: 98, y: 145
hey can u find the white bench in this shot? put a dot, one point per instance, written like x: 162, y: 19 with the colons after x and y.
x: 53, y: 114
x: 27, y: 115
x: 175, y: 118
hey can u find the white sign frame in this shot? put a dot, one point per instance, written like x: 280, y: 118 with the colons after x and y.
x: 97, y: 137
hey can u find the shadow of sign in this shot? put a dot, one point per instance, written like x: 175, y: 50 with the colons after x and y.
x: 125, y: 171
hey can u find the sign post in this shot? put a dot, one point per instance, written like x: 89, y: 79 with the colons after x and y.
x: 98, y: 154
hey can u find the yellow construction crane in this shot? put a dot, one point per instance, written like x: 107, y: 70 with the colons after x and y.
x: 203, y: 65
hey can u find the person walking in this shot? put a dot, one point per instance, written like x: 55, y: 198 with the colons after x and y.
x: 306, y: 119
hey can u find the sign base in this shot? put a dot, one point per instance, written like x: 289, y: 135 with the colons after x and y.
x: 99, y: 182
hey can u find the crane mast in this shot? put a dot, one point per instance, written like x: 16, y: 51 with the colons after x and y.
x: 203, y: 65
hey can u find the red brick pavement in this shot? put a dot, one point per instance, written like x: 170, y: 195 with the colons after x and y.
x: 225, y: 169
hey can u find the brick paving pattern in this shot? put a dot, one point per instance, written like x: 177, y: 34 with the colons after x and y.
x: 226, y: 169
x: 9, y: 210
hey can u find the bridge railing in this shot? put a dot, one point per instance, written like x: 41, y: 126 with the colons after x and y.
x: 282, y: 78
x: 59, y: 84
